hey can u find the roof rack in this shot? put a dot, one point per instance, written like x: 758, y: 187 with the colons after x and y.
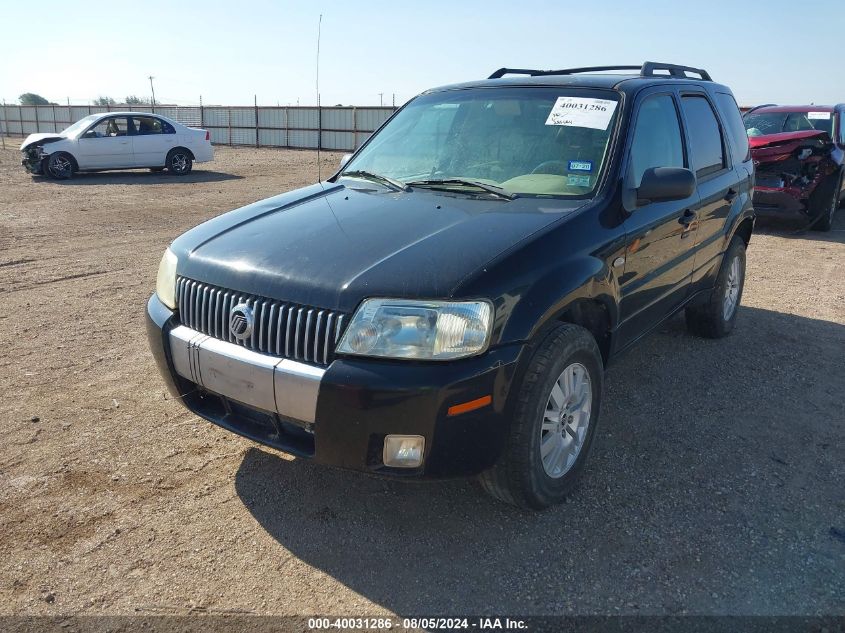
x: 646, y: 70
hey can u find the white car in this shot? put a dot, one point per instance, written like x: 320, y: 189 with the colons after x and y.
x: 117, y: 140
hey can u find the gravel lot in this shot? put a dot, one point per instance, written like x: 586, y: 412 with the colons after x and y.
x: 716, y: 485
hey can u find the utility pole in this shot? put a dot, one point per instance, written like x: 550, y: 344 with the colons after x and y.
x: 394, y: 100
x: 153, y: 90
x: 381, y: 98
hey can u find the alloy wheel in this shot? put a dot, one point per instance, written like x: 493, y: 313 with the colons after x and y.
x: 566, y: 420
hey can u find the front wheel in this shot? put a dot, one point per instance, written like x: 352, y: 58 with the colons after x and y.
x: 825, y: 202
x: 179, y: 162
x: 58, y: 166
x: 715, y: 316
x: 553, y: 424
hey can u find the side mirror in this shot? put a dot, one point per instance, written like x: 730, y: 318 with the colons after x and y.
x: 660, y: 184
x: 344, y: 159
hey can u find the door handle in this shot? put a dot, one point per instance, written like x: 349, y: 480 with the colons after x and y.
x: 687, y: 218
x: 731, y: 194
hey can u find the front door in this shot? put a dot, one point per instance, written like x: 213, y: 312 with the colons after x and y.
x: 660, y: 235
x: 107, y: 145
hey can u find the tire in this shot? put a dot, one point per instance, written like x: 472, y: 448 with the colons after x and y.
x: 522, y: 476
x: 59, y: 166
x: 715, y: 316
x: 825, y: 202
x: 179, y: 161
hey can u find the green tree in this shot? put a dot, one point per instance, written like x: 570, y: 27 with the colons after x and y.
x: 104, y: 101
x: 30, y: 99
x: 133, y: 100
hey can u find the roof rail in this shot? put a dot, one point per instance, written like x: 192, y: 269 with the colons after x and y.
x: 679, y: 72
x: 566, y: 71
x: 757, y: 107
x: 646, y: 70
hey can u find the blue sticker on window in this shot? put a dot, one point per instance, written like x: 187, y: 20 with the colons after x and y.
x: 580, y: 165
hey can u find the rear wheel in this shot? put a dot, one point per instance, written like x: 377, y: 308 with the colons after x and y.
x: 179, y: 161
x: 715, y: 316
x: 825, y: 202
x: 59, y: 166
x: 554, y: 422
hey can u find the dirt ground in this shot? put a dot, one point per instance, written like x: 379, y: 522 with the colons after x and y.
x: 716, y: 485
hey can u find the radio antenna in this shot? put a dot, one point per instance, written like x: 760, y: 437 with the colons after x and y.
x: 319, y: 109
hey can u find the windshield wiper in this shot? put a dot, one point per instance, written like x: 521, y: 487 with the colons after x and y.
x: 443, y: 183
x: 391, y: 183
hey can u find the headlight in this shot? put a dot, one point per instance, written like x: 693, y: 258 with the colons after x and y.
x: 166, y: 280
x: 425, y: 330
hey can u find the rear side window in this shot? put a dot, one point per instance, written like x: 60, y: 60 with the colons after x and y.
x: 736, y: 128
x: 706, y: 146
x: 657, y: 137
x: 146, y: 125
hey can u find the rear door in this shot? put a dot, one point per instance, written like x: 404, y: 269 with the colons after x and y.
x: 107, y: 145
x: 718, y: 182
x: 152, y: 139
x: 660, y: 235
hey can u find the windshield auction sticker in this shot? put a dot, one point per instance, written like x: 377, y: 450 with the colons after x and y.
x: 582, y: 112
x: 818, y: 115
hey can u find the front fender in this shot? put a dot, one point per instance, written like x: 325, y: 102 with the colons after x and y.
x: 555, y: 292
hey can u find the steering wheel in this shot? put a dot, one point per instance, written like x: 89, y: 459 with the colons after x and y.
x: 560, y: 166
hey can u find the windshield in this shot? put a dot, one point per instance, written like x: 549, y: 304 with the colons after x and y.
x: 80, y: 125
x: 762, y: 123
x: 526, y: 141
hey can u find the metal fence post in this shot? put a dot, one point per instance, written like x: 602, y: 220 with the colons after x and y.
x: 36, y: 120
x: 256, y: 121
x: 354, y: 128
x: 229, y: 121
x: 286, y: 112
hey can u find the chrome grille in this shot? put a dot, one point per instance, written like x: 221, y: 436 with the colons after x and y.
x: 281, y: 329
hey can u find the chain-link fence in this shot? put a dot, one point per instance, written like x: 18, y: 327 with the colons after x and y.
x: 329, y: 128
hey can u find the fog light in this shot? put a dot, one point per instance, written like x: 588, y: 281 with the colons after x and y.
x: 403, y: 451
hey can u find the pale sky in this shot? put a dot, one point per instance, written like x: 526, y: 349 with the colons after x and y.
x: 772, y: 51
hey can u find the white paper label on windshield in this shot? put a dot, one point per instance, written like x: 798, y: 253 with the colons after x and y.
x: 582, y: 112
x: 818, y: 115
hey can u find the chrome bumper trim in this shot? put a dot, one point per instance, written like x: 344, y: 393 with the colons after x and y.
x: 266, y: 382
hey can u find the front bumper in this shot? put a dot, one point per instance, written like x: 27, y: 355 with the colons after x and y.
x: 780, y: 203
x: 339, y: 415
x: 33, y: 165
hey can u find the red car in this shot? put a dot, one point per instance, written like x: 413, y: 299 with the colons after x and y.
x: 799, y: 153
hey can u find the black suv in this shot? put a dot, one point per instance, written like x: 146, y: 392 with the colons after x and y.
x: 447, y: 302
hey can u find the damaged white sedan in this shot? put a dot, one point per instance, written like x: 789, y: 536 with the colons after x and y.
x: 117, y: 140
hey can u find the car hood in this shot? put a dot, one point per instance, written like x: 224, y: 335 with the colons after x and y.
x: 330, y: 246
x: 41, y: 137
x: 775, y: 146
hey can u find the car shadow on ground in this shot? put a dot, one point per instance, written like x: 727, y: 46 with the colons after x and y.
x: 139, y: 178
x: 714, y: 486
x: 799, y: 229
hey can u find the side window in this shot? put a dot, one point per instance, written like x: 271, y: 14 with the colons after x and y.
x: 657, y: 137
x: 736, y: 128
x: 112, y: 126
x: 146, y: 125
x: 706, y: 146
x: 166, y: 128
